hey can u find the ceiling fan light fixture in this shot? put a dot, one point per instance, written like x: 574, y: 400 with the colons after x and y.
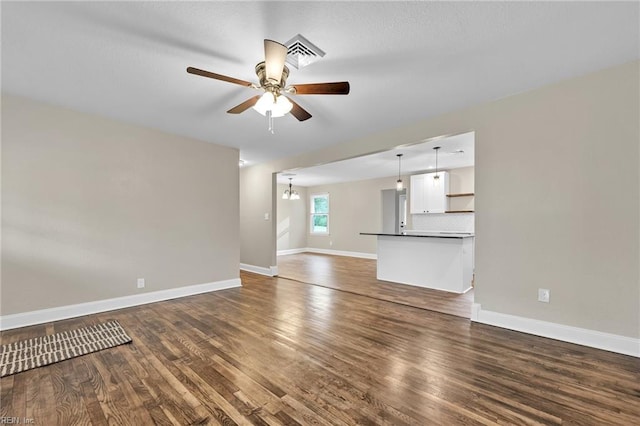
x: 278, y: 105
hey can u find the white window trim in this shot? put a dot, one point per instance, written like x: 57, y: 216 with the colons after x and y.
x: 311, y: 214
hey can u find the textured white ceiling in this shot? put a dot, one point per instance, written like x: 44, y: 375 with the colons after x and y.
x: 406, y: 61
x: 455, y: 151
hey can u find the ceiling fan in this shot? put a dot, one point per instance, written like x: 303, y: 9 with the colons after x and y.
x: 273, y: 74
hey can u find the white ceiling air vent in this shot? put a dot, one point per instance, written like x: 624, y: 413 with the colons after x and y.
x: 301, y: 52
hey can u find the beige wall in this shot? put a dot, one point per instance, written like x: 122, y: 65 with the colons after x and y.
x: 89, y: 205
x: 552, y: 210
x: 354, y: 207
x: 258, y: 199
x: 292, y: 219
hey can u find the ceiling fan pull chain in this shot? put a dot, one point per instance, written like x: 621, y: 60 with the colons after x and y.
x: 270, y: 121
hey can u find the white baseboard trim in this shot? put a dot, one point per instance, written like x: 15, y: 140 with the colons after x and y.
x: 8, y: 322
x: 328, y: 251
x: 342, y: 253
x: 291, y: 251
x: 271, y: 271
x: 581, y: 336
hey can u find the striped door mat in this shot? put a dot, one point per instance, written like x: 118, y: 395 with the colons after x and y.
x: 40, y: 351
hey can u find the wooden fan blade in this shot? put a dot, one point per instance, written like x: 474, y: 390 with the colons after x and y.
x: 203, y: 73
x: 274, y: 56
x: 340, y: 88
x: 244, y: 106
x: 298, y: 112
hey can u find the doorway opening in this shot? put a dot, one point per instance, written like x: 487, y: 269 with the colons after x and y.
x: 345, y: 260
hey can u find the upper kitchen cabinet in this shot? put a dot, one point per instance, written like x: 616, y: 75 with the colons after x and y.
x: 429, y: 195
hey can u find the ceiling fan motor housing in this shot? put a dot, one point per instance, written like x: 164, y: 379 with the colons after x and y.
x: 270, y: 85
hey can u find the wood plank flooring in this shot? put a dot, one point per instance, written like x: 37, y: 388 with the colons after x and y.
x: 280, y: 352
x: 358, y: 276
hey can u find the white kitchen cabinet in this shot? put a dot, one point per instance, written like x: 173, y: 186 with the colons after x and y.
x: 428, y: 195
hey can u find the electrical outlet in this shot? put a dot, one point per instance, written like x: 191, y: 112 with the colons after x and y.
x: 330, y: 243
x: 543, y: 295
x: 140, y: 282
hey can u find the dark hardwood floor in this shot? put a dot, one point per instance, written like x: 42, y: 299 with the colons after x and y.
x: 358, y: 276
x: 278, y: 351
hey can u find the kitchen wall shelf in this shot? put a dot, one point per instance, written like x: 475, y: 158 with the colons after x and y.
x: 459, y: 211
x: 465, y: 194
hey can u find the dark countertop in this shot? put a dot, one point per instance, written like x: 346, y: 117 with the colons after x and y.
x: 423, y: 234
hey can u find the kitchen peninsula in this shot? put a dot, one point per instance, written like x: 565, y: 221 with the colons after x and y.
x: 437, y: 260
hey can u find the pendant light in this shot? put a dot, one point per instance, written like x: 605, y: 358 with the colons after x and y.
x: 399, y: 181
x: 290, y: 194
x: 436, y: 178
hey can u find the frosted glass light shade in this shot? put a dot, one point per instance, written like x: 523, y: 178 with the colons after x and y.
x: 280, y: 107
x: 290, y: 195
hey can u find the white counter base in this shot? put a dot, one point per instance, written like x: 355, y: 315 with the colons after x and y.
x: 437, y: 263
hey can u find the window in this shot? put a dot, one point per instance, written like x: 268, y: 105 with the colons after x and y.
x: 319, y: 214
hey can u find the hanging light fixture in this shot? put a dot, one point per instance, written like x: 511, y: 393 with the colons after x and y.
x: 399, y: 181
x: 436, y: 178
x: 290, y: 194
